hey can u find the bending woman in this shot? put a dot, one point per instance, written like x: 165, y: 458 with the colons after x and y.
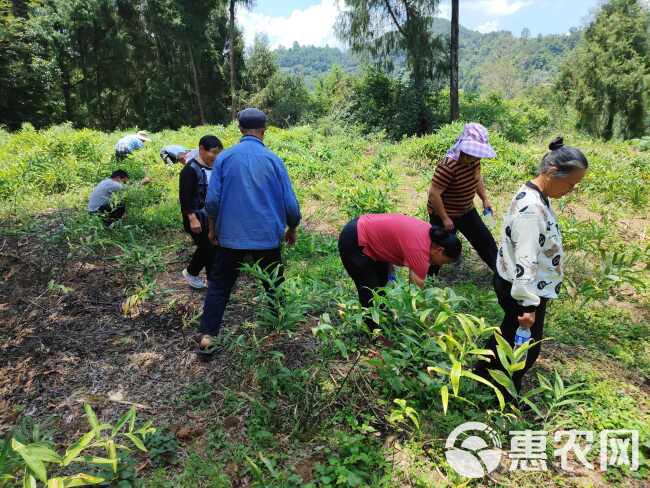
x: 530, y: 258
x: 371, y: 244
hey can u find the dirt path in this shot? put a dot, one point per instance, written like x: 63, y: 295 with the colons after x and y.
x: 69, y: 343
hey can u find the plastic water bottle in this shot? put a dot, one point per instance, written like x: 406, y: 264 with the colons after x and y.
x: 488, y: 218
x: 522, y: 336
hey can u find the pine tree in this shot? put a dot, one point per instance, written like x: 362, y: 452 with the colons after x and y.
x: 607, y: 78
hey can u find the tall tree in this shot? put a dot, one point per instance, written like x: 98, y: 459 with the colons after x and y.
x: 607, y: 77
x: 384, y: 28
x: 453, y: 82
x: 233, y: 85
x: 260, y: 64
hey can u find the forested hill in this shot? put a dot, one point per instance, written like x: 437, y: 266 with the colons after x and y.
x: 487, y: 61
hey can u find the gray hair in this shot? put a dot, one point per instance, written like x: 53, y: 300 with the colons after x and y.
x: 564, y: 159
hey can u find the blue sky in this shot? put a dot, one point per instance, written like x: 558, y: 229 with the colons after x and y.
x: 311, y: 21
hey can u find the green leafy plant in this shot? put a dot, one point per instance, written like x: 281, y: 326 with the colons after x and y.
x: 35, y: 457
x: 549, y: 400
x: 432, y: 345
x: 284, y: 306
x: 403, y: 414
x: 162, y: 447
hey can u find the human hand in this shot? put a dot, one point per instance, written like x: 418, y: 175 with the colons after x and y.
x: 195, y: 225
x: 448, y: 224
x: 290, y: 237
x: 526, y: 320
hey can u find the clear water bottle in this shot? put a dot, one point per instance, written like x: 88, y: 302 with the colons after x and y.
x: 488, y: 218
x: 522, y: 336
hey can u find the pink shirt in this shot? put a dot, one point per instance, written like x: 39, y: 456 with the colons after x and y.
x: 396, y: 239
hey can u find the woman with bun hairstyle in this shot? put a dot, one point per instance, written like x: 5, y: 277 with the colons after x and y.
x: 530, y: 257
x: 371, y: 244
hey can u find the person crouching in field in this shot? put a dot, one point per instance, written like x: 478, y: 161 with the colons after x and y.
x: 100, y: 201
x: 456, y: 180
x: 129, y: 143
x: 252, y: 208
x: 530, y: 257
x: 372, y: 244
x: 192, y: 191
x: 173, y: 154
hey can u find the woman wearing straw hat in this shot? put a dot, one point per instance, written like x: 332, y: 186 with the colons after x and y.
x: 457, y: 179
x: 129, y: 143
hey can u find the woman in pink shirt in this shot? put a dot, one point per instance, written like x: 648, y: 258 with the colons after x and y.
x: 371, y: 244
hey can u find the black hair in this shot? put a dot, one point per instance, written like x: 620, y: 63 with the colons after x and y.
x: 210, y: 142
x: 563, y: 158
x: 447, y: 240
x: 119, y: 173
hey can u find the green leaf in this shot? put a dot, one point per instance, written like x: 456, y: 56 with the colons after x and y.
x: 481, y: 352
x: 133, y: 414
x: 441, y: 319
x: 111, y: 450
x: 480, y: 379
x: 438, y: 370
x: 504, y: 380
x: 29, y: 481
x: 340, y: 345
x: 466, y: 324
x: 455, y: 377
x: 412, y: 414
x: 92, y: 418
x: 44, y: 453
x: 74, y: 450
x: 35, y: 465
x: 120, y: 423
x: 503, y: 348
x: 136, y: 441
x: 96, y: 460
x: 80, y: 479
x: 444, y: 394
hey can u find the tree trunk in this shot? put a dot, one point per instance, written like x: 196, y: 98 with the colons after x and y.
x: 233, y: 105
x: 66, y: 86
x: 453, y: 82
x: 195, y: 77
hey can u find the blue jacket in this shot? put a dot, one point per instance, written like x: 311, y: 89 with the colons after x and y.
x: 251, y: 197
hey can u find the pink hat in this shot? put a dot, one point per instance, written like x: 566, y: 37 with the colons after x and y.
x: 473, y: 142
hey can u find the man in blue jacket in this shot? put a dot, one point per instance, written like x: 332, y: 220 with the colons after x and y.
x: 251, y: 207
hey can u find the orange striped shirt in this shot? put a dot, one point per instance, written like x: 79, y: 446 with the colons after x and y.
x: 457, y: 183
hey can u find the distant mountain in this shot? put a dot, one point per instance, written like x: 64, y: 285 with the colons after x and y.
x: 493, y: 61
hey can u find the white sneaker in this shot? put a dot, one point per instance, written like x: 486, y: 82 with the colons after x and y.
x: 193, y: 281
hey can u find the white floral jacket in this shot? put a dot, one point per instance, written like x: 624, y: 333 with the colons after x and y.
x: 531, y: 255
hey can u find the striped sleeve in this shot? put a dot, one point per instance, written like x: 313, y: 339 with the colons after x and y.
x: 443, y: 174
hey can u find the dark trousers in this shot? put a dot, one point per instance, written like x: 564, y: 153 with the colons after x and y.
x: 203, y: 254
x: 509, y: 326
x: 225, y: 269
x: 110, y: 213
x: 368, y: 275
x: 479, y: 236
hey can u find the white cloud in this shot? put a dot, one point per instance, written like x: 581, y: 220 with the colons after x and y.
x: 444, y: 10
x: 497, y: 8
x: 312, y: 25
x: 490, y: 26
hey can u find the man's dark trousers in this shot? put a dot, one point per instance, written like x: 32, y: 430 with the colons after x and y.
x: 225, y: 269
x: 203, y: 256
